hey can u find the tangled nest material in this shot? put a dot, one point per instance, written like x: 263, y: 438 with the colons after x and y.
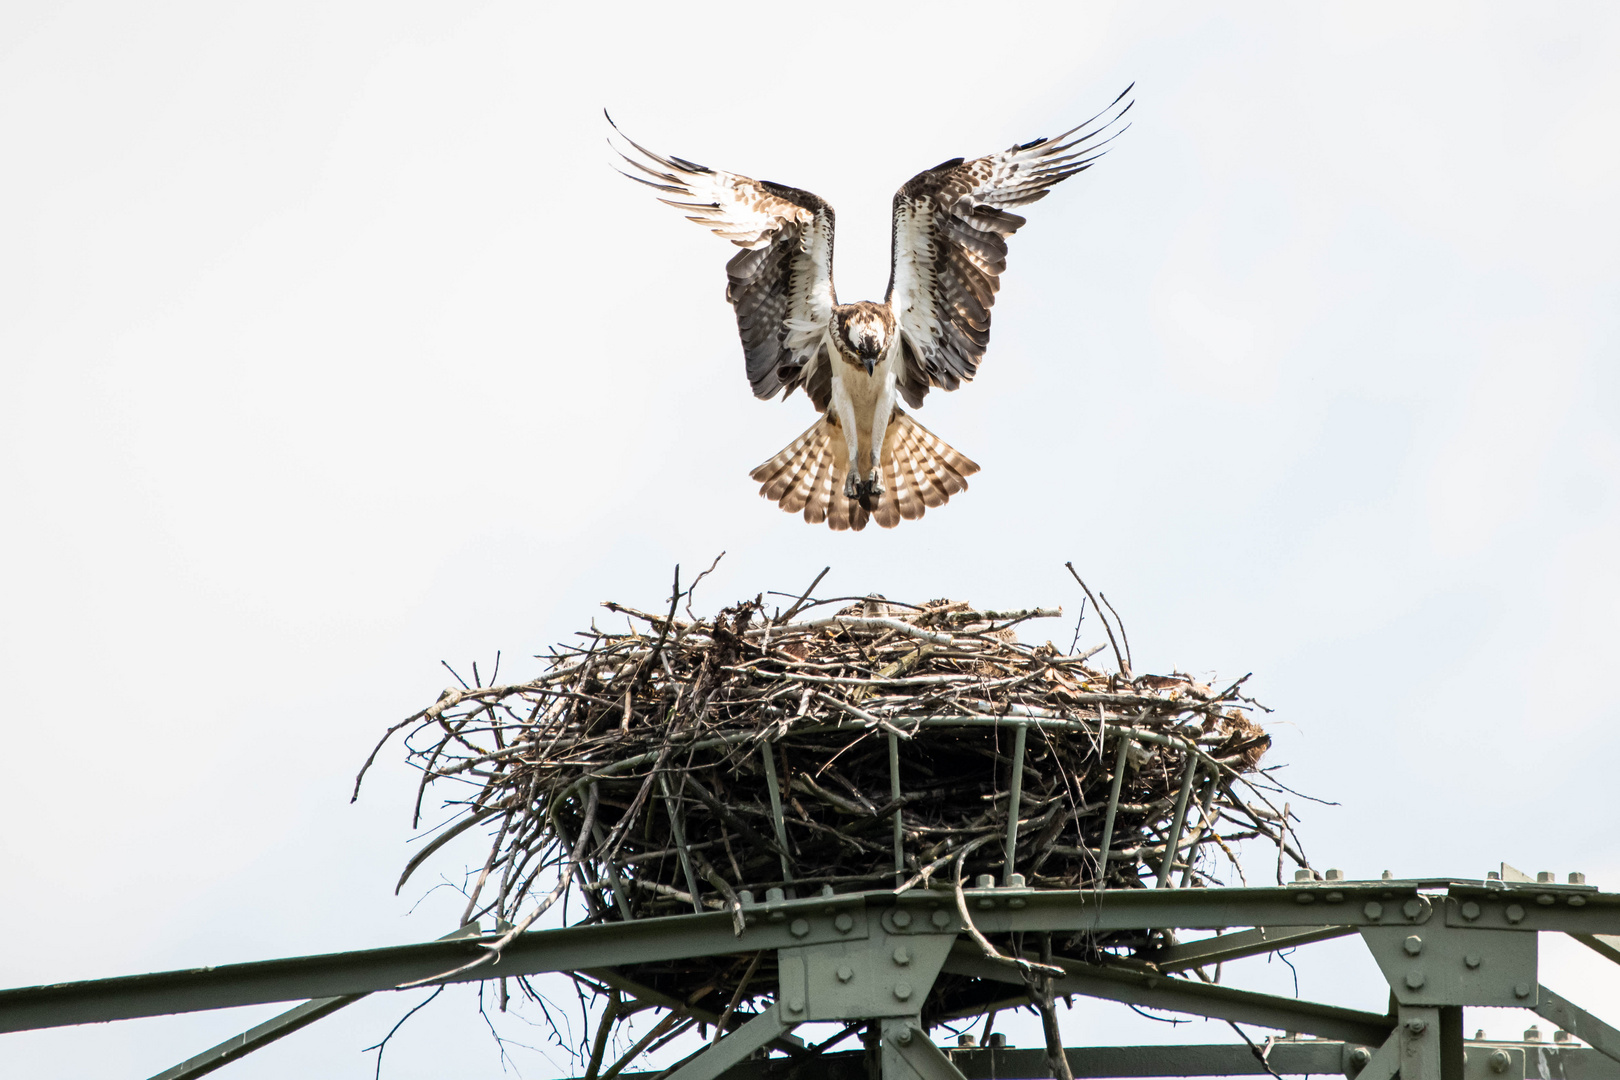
x: 695, y: 764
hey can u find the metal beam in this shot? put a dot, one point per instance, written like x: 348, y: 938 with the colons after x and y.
x: 300, y: 1016
x: 1172, y: 839
x: 1606, y: 945
x: 239, y: 1046
x: 774, y: 787
x: 1578, y: 1022
x: 766, y: 1027
x: 790, y: 1044
x: 1004, y: 910
x: 678, y: 830
x: 1015, y: 801
x: 982, y: 1008
x: 1309, y: 905
x: 368, y: 970
x: 1095, y: 1062
x: 1287, y: 1057
x: 1106, y: 845
x: 1568, y: 909
x: 899, y: 818
x: 1262, y: 939
x: 908, y: 1053
x: 1385, y: 1063
x: 1178, y: 995
x: 1419, y: 1036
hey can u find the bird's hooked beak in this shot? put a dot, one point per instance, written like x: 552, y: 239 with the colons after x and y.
x: 868, y: 351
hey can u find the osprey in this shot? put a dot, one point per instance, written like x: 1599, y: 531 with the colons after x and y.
x: 865, y: 457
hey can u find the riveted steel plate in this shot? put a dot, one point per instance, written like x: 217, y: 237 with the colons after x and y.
x: 884, y: 974
x: 1436, y: 964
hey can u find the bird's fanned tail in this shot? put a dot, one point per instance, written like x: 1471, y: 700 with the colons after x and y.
x: 920, y: 470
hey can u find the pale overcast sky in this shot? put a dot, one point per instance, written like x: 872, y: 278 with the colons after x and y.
x: 332, y: 348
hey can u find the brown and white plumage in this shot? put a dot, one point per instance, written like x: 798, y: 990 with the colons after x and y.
x: 782, y: 278
x: 865, y: 458
x: 919, y: 471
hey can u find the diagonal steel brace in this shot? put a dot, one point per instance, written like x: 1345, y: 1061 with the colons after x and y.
x: 1607, y: 945
x: 1578, y: 1022
x: 1385, y: 1062
x: 761, y: 1031
x: 279, y: 1026
x: 909, y: 1054
x: 788, y: 1044
x: 1262, y: 939
x: 1179, y: 995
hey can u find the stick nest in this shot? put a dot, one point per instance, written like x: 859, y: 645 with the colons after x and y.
x: 697, y: 764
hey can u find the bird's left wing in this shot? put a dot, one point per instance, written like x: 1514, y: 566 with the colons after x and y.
x: 951, y: 225
x: 780, y: 283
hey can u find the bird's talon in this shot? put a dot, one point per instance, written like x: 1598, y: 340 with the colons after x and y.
x: 874, y: 483
x: 852, y: 488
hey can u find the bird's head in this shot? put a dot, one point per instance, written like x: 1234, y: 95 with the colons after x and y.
x: 863, y: 332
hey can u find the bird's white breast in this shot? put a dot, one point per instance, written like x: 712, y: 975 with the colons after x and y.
x: 864, y: 393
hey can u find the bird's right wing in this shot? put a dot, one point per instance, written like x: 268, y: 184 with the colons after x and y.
x: 780, y: 283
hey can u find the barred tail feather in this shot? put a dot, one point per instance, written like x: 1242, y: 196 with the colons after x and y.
x: 798, y: 480
x: 919, y: 471
x: 808, y: 475
x: 779, y: 475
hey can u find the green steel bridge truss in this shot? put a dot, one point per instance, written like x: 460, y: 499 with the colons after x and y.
x: 869, y: 959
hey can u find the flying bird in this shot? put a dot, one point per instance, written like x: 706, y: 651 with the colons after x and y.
x: 865, y: 457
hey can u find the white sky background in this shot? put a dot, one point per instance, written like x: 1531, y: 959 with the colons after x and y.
x: 331, y: 347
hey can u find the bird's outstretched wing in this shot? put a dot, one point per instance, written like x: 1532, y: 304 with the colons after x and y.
x: 780, y: 283
x: 951, y: 225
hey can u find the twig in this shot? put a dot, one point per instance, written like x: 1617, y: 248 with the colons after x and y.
x: 851, y: 622
x: 1129, y: 660
x: 382, y: 1046
x: 452, y: 671
x: 861, y: 714
x: 604, y: 1028
x: 493, y: 953
x: 1040, y: 994
x: 1259, y: 1055
x: 973, y: 931
x: 669, y: 1020
x: 782, y: 619
x: 1119, y: 658
x: 736, y: 996
x: 692, y: 588
x: 647, y: 665
x: 1282, y: 841
x: 1078, y: 623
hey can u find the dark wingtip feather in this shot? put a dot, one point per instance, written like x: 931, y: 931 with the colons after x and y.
x: 1088, y: 122
x: 668, y: 162
x: 649, y: 183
